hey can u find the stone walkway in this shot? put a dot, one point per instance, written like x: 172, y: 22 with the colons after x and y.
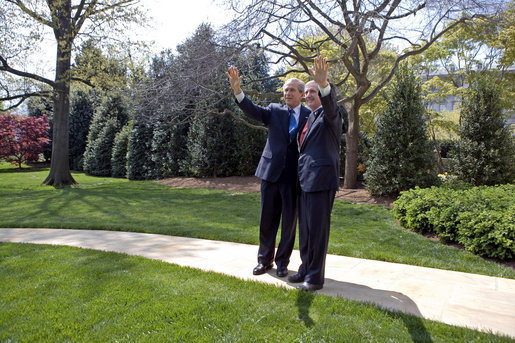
x: 480, y: 302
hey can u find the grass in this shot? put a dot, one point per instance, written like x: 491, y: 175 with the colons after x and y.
x: 364, y: 231
x: 58, y: 294
x: 55, y: 294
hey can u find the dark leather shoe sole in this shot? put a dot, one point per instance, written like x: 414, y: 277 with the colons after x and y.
x: 309, y: 287
x: 261, y: 269
x: 296, y: 278
x: 282, y: 272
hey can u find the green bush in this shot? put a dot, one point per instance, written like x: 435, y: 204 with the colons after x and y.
x: 485, y: 154
x: 445, y: 146
x: 488, y: 232
x: 411, y: 209
x: 482, y: 219
x: 401, y: 155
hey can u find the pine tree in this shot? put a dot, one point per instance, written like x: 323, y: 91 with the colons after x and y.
x: 102, y: 149
x: 211, y: 145
x: 112, y: 112
x: 485, y: 154
x: 401, y: 155
x: 139, y: 161
x: 119, y: 155
x: 81, y: 114
x: 169, y: 146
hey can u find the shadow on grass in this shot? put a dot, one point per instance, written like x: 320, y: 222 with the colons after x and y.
x: 303, y: 303
x: 394, y: 304
x: 23, y: 169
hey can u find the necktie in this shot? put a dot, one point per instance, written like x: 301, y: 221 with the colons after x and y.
x: 303, y: 133
x: 293, y: 126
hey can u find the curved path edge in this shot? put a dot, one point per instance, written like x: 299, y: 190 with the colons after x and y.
x: 479, y: 302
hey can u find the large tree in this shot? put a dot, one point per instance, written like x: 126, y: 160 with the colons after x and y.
x: 278, y: 27
x: 26, y: 22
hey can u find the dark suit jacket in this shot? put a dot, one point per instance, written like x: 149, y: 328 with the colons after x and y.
x: 279, y: 157
x: 319, y: 159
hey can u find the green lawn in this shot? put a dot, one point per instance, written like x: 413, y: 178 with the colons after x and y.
x: 365, y: 231
x: 58, y: 294
x: 63, y: 294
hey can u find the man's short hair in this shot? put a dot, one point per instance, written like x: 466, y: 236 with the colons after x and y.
x: 311, y: 82
x: 300, y: 84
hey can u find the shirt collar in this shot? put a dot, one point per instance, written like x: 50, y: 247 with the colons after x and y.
x: 296, y: 112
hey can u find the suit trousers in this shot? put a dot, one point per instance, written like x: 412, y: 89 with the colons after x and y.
x: 314, y: 225
x: 277, y: 200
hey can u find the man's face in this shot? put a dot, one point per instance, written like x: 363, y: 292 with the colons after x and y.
x: 312, y: 98
x: 292, y: 95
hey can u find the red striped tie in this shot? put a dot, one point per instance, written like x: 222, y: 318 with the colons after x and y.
x: 303, y: 133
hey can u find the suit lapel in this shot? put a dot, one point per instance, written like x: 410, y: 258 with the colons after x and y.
x: 285, y: 119
x: 312, y: 119
x: 303, y: 118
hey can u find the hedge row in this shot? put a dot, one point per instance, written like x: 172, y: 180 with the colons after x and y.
x: 482, y: 219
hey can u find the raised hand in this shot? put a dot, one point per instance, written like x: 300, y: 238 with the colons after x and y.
x: 319, y: 74
x: 234, y: 79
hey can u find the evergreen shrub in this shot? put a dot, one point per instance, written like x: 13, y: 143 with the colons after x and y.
x: 485, y: 153
x: 401, y: 155
x: 119, y: 155
x: 82, y: 108
x: 482, y: 219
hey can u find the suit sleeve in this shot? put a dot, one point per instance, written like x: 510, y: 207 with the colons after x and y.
x: 259, y: 113
x: 333, y: 112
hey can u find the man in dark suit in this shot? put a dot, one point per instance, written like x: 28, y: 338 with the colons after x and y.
x: 319, y: 171
x: 277, y: 170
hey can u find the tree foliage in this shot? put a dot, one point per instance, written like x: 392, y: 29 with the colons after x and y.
x: 485, y: 154
x: 83, y: 106
x: 22, y: 138
x: 140, y: 165
x: 109, y: 118
x: 119, y: 152
x: 26, y: 22
x: 401, y: 154
x: 187, y: 120
x: 279, y: 27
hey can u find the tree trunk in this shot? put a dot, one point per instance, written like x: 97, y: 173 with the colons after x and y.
x: 59, y: 166
x: 351, y: 154
x: 350, y: 180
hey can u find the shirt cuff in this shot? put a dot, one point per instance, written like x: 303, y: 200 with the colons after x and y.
x: 239, y: 97
x: 325, y: 91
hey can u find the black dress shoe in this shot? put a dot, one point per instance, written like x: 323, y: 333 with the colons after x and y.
x: 309, y: 287
x: 296, y: 278
x: 261, y: 268
x: 282, y: 271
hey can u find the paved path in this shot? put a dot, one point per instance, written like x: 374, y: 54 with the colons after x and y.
x: 480, y: 302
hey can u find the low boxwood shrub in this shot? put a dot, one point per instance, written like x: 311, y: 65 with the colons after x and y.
x: 411, y: 208
x: 488, y: 233
x: 482, y: 219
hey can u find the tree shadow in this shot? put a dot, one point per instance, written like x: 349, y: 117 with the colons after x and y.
x: 22, y: 169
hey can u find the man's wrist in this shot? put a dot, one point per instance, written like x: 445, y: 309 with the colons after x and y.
x: 325, y: 90
x: 239, y: 97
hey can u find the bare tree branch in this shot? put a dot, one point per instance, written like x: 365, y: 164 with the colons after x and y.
x: 22, y: 97
x: 5, y: 67
x: 31, y: 13
x: 415, y: 52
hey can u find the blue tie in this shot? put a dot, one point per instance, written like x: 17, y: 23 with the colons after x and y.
x: 293, y: 126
